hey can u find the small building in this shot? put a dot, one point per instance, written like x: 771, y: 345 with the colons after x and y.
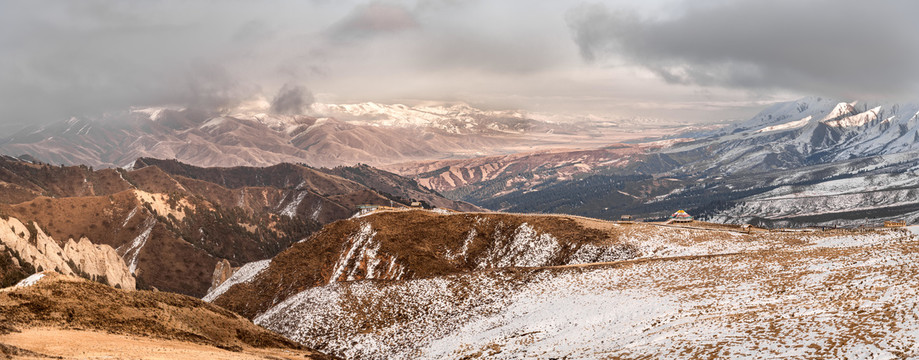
x: 681, y: 216
x: 415, y: 204
x: 891, y: 224
x: 626, y: 219
x: 366, y: 209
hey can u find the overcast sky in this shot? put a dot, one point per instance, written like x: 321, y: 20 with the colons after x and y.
x: 692, y: 60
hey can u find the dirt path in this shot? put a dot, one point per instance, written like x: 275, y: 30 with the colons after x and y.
x: 697, y: 228
x: 642, y: 260
x: 81, y: 344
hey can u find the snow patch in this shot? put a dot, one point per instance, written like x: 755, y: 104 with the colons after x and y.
x: 364, y: 255
x: 785, y: 126
x: 291, y: 209
x: 245, y: 274
x: 31, y: 280
x: 137, y: 244
x: 130, y: 216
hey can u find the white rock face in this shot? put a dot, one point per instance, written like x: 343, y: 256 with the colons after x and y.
x: 99, y: 260
x: 95, y: 261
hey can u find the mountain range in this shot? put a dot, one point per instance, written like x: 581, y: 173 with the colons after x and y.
x: 520, y: 162
x: 786, y: 166
x: 172, y: 226
x: 292, y: 260
x: 334, y: 135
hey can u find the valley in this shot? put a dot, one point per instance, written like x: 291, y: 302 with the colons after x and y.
x: 170, y: 225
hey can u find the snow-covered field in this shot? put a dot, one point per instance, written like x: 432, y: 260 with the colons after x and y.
x: 798, y: 295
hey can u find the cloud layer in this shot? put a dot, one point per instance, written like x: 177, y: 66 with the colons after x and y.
x: 676, y: 59
x: 63, y: 58
x: 834, y: 47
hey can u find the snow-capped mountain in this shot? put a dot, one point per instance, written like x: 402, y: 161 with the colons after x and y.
x: 453, y: 119
x: 809, y: 131
x: 332, y: 135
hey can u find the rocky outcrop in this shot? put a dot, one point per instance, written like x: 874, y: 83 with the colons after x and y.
x: 82, y: 258
x: 100, y: 261
x: 222, y: 272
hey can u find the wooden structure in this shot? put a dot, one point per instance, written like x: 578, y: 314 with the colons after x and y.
x: 626, y: 219
x: 415, y: 204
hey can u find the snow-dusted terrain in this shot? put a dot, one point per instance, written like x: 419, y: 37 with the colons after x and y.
x: 809, y: 131
x: 818, y: 294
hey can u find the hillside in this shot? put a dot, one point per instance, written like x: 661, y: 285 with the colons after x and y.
x: 147, y: 323
x: 398, y: 187
x: 416, y: 244
x: 512, y: 286
x: 173, y: 223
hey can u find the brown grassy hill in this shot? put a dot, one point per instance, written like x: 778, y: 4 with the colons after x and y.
x: 60, y: 302
x: 401, y: 245
x: 173, y: 245
x: 173, y: 223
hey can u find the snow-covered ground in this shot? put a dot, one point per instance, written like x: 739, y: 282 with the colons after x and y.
x: 31, y: 280
x: 823, y: 295
x: 834, y: 196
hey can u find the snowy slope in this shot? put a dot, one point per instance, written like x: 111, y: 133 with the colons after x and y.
x: 821, y: 296
x: 809, y: 131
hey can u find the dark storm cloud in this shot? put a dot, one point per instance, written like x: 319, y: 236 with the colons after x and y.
x: 292, y: 100
x: 837, y: 47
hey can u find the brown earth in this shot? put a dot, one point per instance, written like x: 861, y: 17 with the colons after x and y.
x: 52, y: 343
x: 67, y: 305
